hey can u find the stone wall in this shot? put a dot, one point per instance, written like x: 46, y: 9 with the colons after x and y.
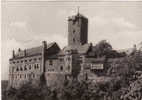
x: 77, y: 30
x: 24, y: 69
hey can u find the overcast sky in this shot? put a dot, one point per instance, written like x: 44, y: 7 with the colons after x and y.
x: 26, y: 24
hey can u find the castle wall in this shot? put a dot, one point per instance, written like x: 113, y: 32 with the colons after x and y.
x: 55, y: 70
x: 24, y: 69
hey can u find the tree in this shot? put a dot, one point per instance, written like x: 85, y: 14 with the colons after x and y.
x: 103, y: 48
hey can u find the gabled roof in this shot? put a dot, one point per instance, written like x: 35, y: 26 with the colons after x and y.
x: 78, y: 15
x: 33, y: 51
x: 50, y: 45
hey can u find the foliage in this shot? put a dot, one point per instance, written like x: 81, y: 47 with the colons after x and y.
x: 28, y: 92
x: 125, y: 84
x: 103, y: 48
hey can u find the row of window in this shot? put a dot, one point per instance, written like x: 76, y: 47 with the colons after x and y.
x: 61, y: 68
x: 24, y: 76
x: 27, y: 67
x: 29, y: 60
x: 52, y: 69
x: 51, y: 61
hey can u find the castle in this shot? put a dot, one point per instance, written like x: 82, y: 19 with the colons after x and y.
x: 55, y: 64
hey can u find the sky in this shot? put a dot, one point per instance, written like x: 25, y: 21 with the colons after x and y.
x: 27, y: 24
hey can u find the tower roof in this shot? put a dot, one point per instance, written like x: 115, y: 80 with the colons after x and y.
x: 78, y: 15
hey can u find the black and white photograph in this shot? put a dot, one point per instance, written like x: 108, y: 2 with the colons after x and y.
x: 71, y: 50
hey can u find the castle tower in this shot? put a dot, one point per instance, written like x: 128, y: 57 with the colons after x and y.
x: 77, y: 30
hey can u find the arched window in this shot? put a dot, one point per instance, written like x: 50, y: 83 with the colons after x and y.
x: 25, y: 68
x: 21, y: 69
x: 35, y: 66
x: 61, y: 68
x: 17, y: 69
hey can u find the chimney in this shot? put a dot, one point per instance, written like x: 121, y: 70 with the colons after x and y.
x: 44, y: 44
x: 13, y: 53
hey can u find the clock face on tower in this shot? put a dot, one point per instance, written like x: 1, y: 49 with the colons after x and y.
x: 77, y: 30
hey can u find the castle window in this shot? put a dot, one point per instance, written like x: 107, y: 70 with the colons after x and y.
x: 35, y: 59
x: 30, y: 60
x: 35, y: 66
x: 61, y: 68
x: 25, y: 75
x: 21, y: 69
x: 17, y: 61
x: 13, y: 62
x: 17, y: 69
x: 50, y: 62
x: 73, y: 31
x: 25, y: 68
x: 15, y: 76
x: 29, y: 66
x: 33, y: 75
x: 68, y: 58
x: 61, y: 59
x: 20, y: 76
x: 25, y: 60
x: 73, y: 40
x: 39, y: 58
x: 21, y: 61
